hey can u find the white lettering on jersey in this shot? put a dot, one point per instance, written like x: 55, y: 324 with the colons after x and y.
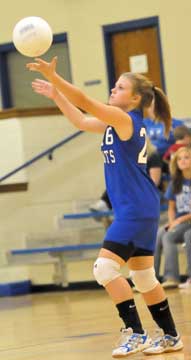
x: 112, y: 156
x: 109, y: 136
x: 142, y: 157
x: 109, y: 156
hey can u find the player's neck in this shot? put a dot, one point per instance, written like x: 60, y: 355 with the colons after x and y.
x: 131, y: 108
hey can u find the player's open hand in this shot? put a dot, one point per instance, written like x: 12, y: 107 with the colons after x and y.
x: 47, y: 69
x: 44, y: 88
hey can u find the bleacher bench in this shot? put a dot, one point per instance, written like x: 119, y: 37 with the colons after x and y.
x: 59, y: 255
x: 62, y: 254
x: 39, y: 252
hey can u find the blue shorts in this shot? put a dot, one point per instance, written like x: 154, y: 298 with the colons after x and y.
x: 141, y: 233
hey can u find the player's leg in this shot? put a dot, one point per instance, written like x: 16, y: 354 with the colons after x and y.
x: 107, y: 273
x: 118, y: 288
x: 143, y: 276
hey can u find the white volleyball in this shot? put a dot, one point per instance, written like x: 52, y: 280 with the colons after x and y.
x: 32, y: 36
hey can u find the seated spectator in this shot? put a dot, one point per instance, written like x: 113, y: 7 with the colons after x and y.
x: 187, y: 239
x: 182, y: 136
x: 178, y: 195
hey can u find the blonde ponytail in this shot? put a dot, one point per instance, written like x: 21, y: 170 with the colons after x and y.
x: 151, y: 94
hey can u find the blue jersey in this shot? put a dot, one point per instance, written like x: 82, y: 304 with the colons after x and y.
x: 132, y: 193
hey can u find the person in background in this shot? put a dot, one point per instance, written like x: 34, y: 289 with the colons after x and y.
x: 135, y: 200
x: 187, y: 239
x: 178, y: 195
x: 182, y: 136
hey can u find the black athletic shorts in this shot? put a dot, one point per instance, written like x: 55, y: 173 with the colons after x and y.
x: 126, y: 251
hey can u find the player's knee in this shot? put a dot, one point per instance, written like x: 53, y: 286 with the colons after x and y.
x: 144, y: 280
x: 106, y: 270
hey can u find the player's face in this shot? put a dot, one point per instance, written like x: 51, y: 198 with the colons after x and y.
x: 122, y: 94
x: 184, y: 160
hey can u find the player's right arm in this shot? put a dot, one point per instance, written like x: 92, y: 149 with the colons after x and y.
x: 77, y: 118
x: 73, y: 114
x: 110, y: 115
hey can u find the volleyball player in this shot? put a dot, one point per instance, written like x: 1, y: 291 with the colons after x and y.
x: 134, y: 197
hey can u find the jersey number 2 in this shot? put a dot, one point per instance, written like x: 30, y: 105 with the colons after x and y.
x: 142, y: 157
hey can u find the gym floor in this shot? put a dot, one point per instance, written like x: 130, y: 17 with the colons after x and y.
x: 78, y: 325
